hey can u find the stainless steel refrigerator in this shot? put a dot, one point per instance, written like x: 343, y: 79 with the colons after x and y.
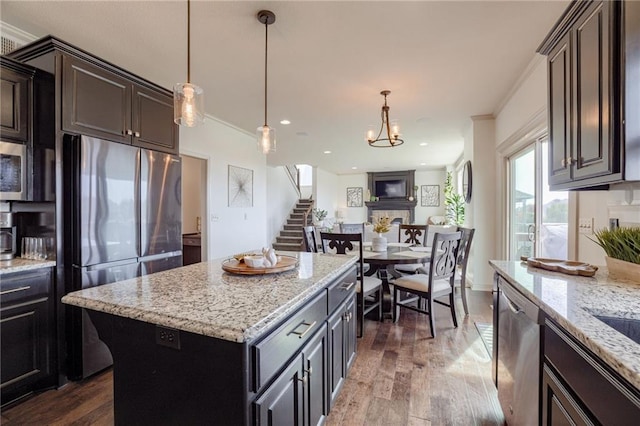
x: 124, y: 220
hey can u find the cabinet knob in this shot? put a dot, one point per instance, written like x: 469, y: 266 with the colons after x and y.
x: 137, y: 134
x: 563, y: 162
x: 569, y: 161
x: 128, y: 132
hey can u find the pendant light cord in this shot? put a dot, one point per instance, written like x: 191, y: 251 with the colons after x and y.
x: 188, y: 41
x: 266, y: 47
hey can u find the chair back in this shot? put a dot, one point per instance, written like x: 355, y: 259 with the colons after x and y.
x: 442, y: 229
x: 309, y: 239
x: 352, y: 228
x: 339, y: 243
x: 444, y: 255
x: 414, y: 234
x: 465, y: 247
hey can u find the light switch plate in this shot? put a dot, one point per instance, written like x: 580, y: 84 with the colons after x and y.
x: 585, y: 225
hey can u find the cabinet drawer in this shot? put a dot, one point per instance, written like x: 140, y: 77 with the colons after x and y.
x: 343, y: 287
x: 24, y: 285
x: 608, y: 397
x: 272, y: 353
x: 191, y: 241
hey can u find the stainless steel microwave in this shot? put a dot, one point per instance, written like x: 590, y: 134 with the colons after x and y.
x: 13, y: 171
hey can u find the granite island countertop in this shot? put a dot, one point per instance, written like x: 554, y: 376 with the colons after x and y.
x: 203, y: 299
x: 572, y: 301
x: 18, y: 265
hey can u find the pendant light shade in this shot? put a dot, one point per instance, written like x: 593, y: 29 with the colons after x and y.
x: 188, y: 99
x: 266, y: 135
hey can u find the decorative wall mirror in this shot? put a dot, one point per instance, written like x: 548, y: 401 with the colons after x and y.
x: 466, y: 182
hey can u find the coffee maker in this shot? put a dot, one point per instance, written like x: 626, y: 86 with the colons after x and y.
x: 7, y: 236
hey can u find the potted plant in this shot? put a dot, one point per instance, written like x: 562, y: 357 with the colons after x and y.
x: 622, y: 248
x: 453, y: 203
x: 319, y: 216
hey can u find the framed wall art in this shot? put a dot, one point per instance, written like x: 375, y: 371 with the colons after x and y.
x: 430, y: 195
x: 354, y: 197
x: 240, y: 187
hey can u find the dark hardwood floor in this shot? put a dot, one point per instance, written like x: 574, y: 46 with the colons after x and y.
x: 401, y: 376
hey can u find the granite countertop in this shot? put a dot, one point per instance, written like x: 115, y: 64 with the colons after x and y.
x: 573, y: 301
x: 18, y: 265
x: 203, y: 299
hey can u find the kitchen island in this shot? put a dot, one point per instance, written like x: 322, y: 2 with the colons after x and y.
x: 197, y: 345
x: 590, y: 342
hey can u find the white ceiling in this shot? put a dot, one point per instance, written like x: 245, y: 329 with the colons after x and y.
x: 444, y: 61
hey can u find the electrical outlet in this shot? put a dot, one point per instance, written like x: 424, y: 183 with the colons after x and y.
x: 214, y: 218
x: 168, y: 337
x: 585, y: 225
x: 613, y: 223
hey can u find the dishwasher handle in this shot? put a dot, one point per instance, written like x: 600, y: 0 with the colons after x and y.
x: 518, y: 303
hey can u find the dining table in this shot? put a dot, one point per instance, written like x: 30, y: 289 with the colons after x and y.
x: 383, y: 263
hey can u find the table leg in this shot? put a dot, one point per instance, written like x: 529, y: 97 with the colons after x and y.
x: 386, y: 290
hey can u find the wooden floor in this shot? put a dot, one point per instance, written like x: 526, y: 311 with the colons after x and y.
x: 401, y: 376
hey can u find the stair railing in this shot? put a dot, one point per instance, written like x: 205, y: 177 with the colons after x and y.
x: 305, y: 221
x: 294, y: 176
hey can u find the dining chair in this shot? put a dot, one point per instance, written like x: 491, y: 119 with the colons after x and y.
x: 309, y: 239
x: 413, y: 234
x: 462, y: 260
x: 437, y: 282
x: 368, y: 289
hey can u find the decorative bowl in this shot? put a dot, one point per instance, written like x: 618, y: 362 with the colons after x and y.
x: 254, y: 261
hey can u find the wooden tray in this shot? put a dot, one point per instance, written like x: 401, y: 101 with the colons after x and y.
x: 564, y: 266
x: 233, y: 266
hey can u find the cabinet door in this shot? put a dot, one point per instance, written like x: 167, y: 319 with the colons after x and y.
x: 153, y: 124
x: 592, y: 83
x: 282, y: 403
x: 315, y: 366
x: 25, y: 347
x: 350, y: 335
x: 95, y: 101
x: 559, y: 71
x: 558, y: 406
x: 14, y: 108
x: 337, y: 360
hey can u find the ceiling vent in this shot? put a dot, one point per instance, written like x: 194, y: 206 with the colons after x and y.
x: 12, y: 37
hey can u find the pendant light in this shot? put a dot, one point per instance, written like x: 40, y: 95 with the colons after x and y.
x: 266, y: 135
x: 391, y: 129
x: 188, y: 99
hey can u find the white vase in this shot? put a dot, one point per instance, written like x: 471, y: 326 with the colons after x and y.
x: 379, y: 243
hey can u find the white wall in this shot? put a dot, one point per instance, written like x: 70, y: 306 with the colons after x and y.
x: 230, y: 230
x: 429, y: 177
x: 351, y: 214
x: 324, y: 191
x: 192, y: 200
x: 282, y: 198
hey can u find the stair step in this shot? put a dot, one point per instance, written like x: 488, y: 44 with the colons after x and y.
x: 291, y: 233
x: 289, y: 240
x: 295, y: 215
x: 287, y: 247
x: 294, y: 227
x: 295, y: 222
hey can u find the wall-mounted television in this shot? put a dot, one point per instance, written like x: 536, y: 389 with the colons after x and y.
x: 396, y: 188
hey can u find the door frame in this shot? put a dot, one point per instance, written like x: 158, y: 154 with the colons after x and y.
x: 204, y: 222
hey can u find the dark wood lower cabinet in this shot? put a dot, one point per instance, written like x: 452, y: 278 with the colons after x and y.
x: 282, y: 403
x: 26, y: 334
x: 579, y: 388
x: 342, y: 338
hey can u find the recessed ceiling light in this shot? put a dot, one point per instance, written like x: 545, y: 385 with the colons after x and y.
x: 354, y: 168
x: 327, y: 152
x: 423, y: 164
x: 285, y: 122
x: 423, y: 144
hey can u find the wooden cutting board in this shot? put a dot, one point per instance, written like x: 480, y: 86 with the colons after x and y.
x: 234, y: 266
x: 569, y: 267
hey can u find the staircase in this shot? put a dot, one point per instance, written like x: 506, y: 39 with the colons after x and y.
x: 290, y: 237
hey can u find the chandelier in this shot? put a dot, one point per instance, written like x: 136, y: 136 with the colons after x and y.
x: 392, y: 129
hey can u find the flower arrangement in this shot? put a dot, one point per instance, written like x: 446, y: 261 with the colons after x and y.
x: 382, y: 225
x: 319, y: 214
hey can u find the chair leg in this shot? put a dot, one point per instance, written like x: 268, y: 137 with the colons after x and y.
x: 463, y: 295
x: 380, y: 296
x: 432, y: 327
x: 452, y: 305
x: 394, y: 305
x: 360, y: 314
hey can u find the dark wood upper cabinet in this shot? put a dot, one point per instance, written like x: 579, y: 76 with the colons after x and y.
x: 15, y: 110
x: 102, y: 100
x: 591, y: 143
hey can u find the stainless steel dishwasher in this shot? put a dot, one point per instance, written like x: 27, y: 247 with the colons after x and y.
x: 518, y: 357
